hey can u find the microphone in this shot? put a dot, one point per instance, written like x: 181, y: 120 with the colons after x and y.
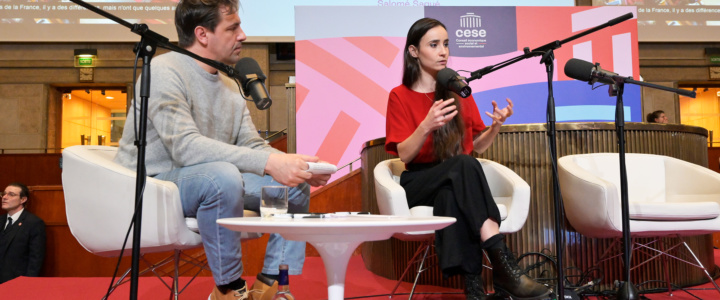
x: 454, y: 82
x: 585, y: 71
x: 252, y: 80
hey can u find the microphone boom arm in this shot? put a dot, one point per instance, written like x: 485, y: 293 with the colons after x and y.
x: 542, y: 50
x: 161, y: 41
x: 492, y: 68
x: 620, y: 79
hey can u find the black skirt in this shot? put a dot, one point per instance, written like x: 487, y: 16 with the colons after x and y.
x: 457, y: 188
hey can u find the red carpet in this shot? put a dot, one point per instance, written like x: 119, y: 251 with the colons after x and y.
x: 312, y: 284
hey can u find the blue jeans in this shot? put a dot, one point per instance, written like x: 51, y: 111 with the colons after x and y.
x: 218, y: 190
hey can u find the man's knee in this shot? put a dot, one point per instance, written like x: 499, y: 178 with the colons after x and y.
x: 225, y: 180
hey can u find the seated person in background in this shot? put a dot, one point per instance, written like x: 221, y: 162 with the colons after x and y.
x: 433, y: 131
x: 22, y: 241
x: 200, y: 136
x: 657, y: 116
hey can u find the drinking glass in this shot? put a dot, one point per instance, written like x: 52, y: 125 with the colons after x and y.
x: 274, y: 200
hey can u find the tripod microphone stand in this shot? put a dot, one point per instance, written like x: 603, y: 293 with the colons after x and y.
x: 627, y: 290
x: 146, y: 48
x: 547, y: 57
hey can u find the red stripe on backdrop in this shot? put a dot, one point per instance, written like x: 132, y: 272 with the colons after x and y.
x: 338, y: 139
x: 342, y: 74
x: 301, y: 93
x: 377, y: 47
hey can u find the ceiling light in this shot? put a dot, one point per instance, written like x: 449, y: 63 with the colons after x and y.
x: 110, y: 97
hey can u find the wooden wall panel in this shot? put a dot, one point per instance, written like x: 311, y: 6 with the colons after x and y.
x: 714, y: 159
x: 30, y: 169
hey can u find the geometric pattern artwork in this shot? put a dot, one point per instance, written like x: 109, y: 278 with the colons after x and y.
x: 343, y: 81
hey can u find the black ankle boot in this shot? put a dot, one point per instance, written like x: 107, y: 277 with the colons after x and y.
x: 474, y: 287
x: 509, y: 279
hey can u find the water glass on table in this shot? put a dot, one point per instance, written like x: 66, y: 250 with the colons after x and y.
x: 274, y: 200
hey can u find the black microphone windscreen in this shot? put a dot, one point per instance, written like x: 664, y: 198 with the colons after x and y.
x: 445, y: 75
x: 619, y: 19
x: 452, y: 81
x: 246, y: 66
x: 579, y: 69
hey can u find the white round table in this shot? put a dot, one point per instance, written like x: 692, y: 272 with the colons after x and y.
x: 336, y: 238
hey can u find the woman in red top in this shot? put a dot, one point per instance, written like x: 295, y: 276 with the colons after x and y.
x: 434, y: 131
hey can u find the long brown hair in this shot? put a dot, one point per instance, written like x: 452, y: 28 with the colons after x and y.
x: 448, y: 139
x: 411, y: 66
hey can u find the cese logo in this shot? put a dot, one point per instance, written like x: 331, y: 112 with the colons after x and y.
x: 471, y: 33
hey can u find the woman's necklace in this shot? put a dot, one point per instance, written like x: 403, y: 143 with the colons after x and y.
x: 426, y: 95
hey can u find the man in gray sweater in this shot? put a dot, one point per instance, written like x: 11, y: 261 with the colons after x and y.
x: 200, y: 136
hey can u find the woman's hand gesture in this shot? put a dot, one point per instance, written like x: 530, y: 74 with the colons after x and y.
x: 500, y: 115
x: 441, y: 112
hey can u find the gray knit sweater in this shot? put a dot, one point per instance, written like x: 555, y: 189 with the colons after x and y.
x: 194, y: 117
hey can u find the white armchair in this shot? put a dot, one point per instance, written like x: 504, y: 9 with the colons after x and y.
x: 667, y: 197
x: 510, y: 192
x: 99, y: 202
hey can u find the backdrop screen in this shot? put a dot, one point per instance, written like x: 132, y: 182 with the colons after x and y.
x: 262, y: 20
x: 674, y: 20
x: 346, y: 67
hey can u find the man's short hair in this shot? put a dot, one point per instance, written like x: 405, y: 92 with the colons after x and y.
x: 24, y: 192
x: 654, y: 115
x: 193, y: 13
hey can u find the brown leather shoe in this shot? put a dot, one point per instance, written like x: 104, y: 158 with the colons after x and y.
x: 264, y: 288
x: 241, y: 294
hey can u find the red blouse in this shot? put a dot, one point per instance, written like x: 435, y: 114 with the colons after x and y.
x: 407, y: 109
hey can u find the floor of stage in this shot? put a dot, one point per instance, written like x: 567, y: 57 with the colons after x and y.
x: 312, y: 284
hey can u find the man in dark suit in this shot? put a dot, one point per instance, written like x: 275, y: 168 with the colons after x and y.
x: 22, y: 240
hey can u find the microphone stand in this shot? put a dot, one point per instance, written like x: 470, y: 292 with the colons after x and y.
x: 627, y: 290
x: 547, y: 57
x: 149, y: 42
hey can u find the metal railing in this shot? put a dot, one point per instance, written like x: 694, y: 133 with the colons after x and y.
x: 30, y: 150
x: 350, y: 165
x: 271, y: 134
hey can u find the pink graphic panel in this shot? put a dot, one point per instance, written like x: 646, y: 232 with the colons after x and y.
x: 382, y: 50
x: 344, y: 79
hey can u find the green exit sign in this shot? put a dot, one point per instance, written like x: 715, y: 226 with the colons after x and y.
x: 715, y: 59
x: 84, y: 62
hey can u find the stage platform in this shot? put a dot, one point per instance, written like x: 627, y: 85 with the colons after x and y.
x: 312, y: 284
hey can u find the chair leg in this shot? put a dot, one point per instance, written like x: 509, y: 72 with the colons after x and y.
x: 117, y: 283
x: 174, y: 287
x: 419, y: 270
x: 667, y: 267
x: 176, y: 275
x: 489, y: 263
x: 699, y: 263
x: 425, y: 245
